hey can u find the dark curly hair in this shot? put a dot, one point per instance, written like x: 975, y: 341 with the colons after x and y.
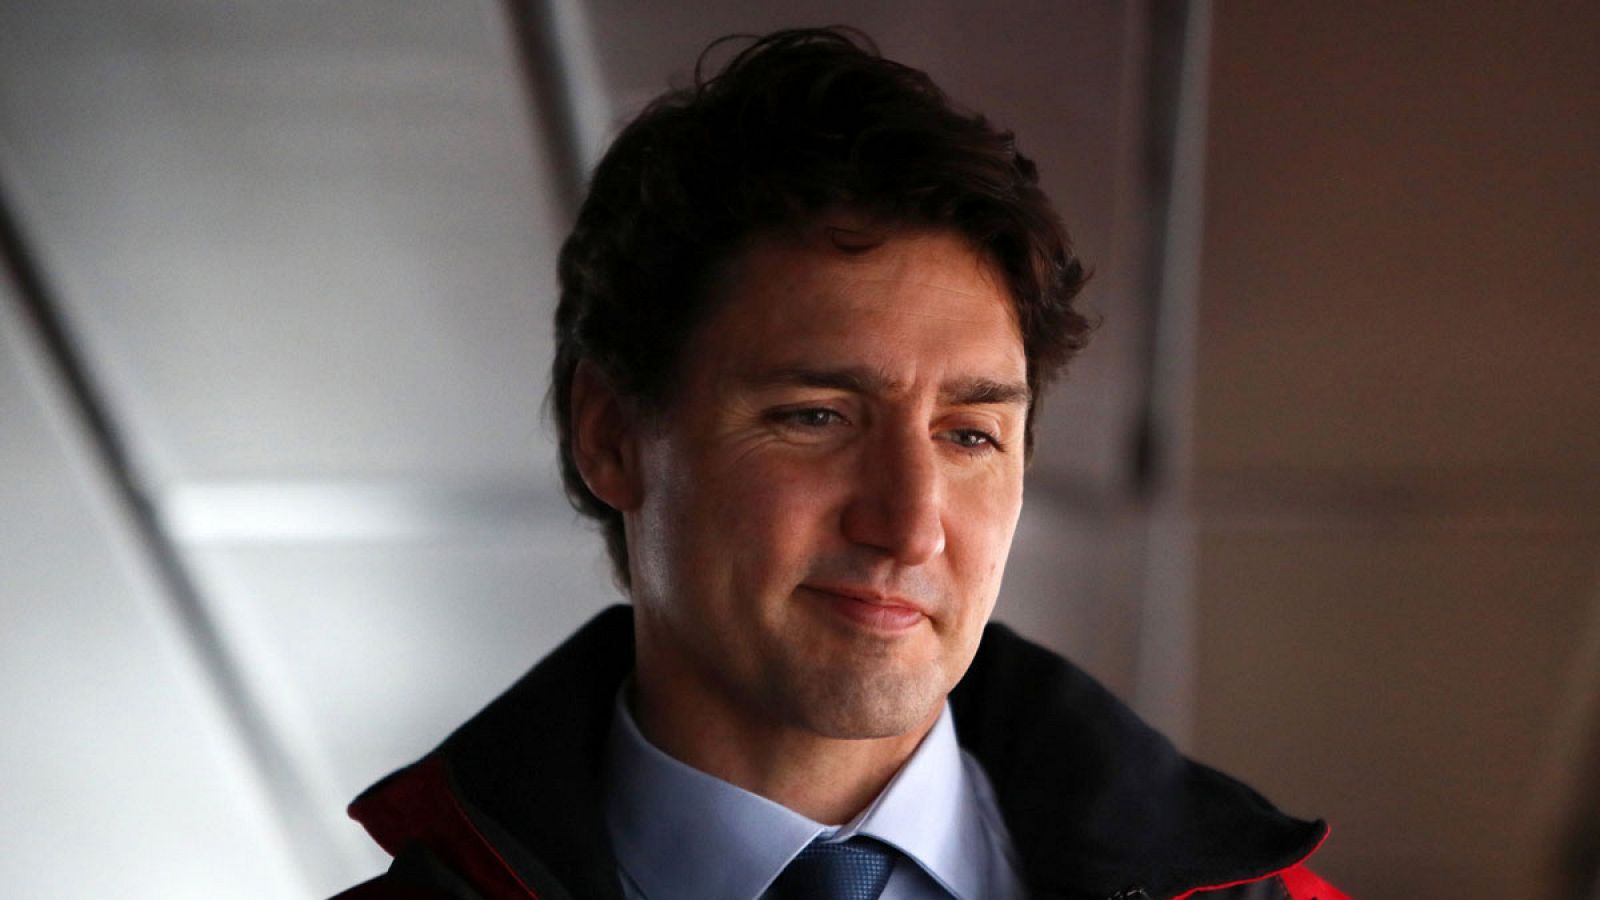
x: 800, y: 124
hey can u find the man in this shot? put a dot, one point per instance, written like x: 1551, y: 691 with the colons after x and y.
x: 806, y: 315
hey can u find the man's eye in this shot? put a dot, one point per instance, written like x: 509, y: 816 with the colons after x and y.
x: 973, y: 439
x: 810, y: 417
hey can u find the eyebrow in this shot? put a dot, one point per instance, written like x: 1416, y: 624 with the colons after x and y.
x: 974, y: 391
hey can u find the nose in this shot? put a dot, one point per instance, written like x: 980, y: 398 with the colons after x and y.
x: 897, y: 506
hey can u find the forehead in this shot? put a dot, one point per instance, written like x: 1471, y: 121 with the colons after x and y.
x: 890, y: 292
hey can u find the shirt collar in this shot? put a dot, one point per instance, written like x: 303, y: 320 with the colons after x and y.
x: 681, y: 833
x: 930, y: 813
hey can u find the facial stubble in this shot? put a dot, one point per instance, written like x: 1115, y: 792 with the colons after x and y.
x: 856, y: 689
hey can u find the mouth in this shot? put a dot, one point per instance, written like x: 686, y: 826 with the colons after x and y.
x: 874, y: 610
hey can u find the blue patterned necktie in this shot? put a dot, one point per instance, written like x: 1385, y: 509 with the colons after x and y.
x: 856, y: 869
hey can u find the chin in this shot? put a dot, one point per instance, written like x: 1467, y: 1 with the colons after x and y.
x: 858, y: 706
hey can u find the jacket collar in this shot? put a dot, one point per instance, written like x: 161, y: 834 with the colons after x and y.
x: 1097, y: 802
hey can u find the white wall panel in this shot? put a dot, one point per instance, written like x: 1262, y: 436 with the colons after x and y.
x: 382, y: 648
x: 122, y: 775
x: 303, y: 240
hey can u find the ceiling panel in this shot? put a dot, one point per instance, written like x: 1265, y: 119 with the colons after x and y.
x: 298, y: 240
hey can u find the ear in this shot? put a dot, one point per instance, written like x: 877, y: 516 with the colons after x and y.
x: 604, y: 439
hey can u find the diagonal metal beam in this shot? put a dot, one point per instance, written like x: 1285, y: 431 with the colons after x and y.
x: 1178, y: 59
x: 556, y: 71
x: 1174, y: 132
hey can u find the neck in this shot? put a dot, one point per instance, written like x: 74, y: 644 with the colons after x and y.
x: 826, y: 779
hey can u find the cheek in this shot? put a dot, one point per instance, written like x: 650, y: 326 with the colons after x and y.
x: 679, y: 519
x: 757, y: 523
x: 777, y: 512
x: 981, y: 523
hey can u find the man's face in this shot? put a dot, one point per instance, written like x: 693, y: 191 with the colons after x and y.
x: 829, y: 497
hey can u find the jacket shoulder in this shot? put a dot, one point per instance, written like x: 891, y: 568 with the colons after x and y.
x: 416, y: 874
x: 384, y: 887
x: 1099, y: 802
x: 1294, y: 883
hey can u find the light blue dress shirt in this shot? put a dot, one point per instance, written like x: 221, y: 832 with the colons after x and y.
x: 681, y: 834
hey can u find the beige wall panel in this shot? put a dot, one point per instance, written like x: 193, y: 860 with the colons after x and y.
x: 1400, y: 237
x: 1404, y: 686
x: 1398, y: 427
